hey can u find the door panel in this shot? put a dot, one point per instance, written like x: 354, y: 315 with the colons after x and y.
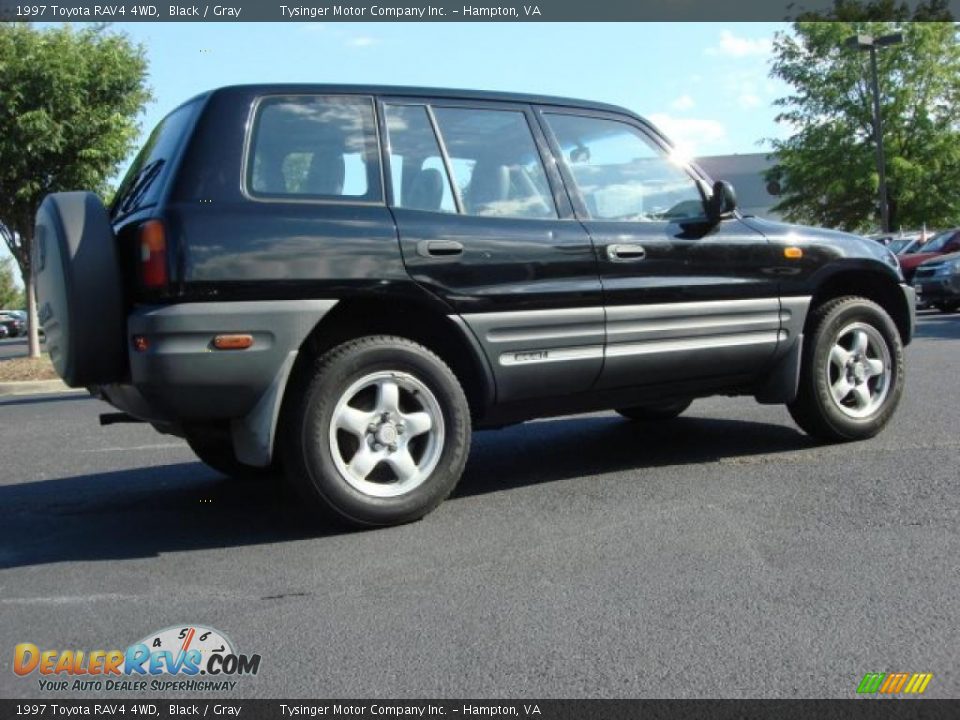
x: 511, y: 259
x: 685, y: 298
x: 696, y: 305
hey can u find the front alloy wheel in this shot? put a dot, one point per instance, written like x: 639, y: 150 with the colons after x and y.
x: 860, y: 370
x: 852, y: 372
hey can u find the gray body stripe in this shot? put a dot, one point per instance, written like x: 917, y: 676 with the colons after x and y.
x: 700, y: 343
x: 546, y: 351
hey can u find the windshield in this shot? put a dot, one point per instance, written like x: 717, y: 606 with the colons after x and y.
x: 143, y: 182
x: 901, y: 245
x: 937, y: 243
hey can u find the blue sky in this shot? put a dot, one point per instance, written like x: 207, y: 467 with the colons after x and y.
x: 705, y: 84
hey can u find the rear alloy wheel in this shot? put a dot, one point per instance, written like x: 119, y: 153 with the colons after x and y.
x: 378, y: 432
x: 852, y: 374
x: 652, y: 412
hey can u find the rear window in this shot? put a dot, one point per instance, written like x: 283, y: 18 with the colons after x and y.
x: 315, y: 147
x: 144, y: 180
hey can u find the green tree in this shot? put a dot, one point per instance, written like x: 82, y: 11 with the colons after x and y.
x: 11, y: 297
x: 827, y: 167
x: 69, y: 102
x: 888, y: 10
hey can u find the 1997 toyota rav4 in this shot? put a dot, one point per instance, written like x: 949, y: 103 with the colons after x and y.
x: 339, y: 283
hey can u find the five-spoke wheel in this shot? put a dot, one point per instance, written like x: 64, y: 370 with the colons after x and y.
x: 388, y: 433
x: 859, y: 370
x: 852, y: 372
x: 377, y: 431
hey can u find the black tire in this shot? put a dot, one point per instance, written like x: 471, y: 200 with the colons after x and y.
x: 308, y: 450
x: 652, y: 412
x: 815, y: 409
x: 79, y: 289
x: 948, y: 308
x: 216, y: 451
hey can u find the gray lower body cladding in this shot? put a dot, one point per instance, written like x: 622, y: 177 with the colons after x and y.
x: 573, y: 350
x: 180, y: 378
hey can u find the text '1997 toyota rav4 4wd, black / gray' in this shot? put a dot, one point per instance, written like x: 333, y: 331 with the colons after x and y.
x: 339, y: 283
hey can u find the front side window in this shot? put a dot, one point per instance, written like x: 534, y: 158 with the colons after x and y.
x: 495, y: 163
x: 315, y: 147
x: 621, y: 174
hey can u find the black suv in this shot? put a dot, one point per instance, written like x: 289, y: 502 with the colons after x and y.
x: 339, y: 283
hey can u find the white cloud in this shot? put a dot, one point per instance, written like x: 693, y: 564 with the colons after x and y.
x: 362, y: 41
x: 690, y: 134
x: 733, y: 46
x: 749, y: 100
x: 684, y: 102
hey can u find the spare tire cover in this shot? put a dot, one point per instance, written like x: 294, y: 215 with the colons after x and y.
x: 79, y: 289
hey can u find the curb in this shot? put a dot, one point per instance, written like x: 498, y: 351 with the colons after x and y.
x: 36, y: 387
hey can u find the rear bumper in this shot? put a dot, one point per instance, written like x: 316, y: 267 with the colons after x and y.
x: 181, y: 376
x: 180, y: 379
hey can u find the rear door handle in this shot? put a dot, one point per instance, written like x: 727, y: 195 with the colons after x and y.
x: 625, y: 252
x: 439, y: 248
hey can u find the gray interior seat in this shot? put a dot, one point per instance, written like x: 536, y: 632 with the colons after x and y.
x: 426, y: 191
x: 326, y: 174
x: 489, y: 185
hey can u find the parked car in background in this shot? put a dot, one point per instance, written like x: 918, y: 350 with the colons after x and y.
x: 937, y: 282
x: 4, y: 332
x: 14, y: 324
x: 942, y: 243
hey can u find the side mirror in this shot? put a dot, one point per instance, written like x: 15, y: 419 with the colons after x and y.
x: 723, y: 201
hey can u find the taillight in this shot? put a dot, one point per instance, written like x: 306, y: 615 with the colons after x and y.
x: 153, y: 254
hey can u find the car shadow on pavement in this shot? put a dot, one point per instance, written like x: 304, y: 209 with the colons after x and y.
x: 551, y: 450
x: 146, y: 511
x: 143, y: 512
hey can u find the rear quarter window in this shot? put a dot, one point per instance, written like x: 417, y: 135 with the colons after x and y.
x: 314, y: 147
x: 144, y: 181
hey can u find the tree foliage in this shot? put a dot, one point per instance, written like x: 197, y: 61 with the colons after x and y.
x: 887, y: 10
x: 11, y: 297
x: 827, y: 167
x: 69, y: 102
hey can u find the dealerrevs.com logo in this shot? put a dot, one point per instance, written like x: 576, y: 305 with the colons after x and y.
x: 188, y: 658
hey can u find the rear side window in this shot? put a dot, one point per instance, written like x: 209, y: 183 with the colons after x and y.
x: 418, y: 175
x: 315, y: 147
x: 142, y: 184
x: 495, y: 163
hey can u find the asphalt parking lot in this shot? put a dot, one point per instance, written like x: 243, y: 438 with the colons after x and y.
x: 724, y: 554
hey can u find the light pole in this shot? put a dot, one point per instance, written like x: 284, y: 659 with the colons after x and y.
x: 870, y: 44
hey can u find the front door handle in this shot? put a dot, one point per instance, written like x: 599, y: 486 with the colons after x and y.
x: 625, y: 252
x: 439, y: 248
